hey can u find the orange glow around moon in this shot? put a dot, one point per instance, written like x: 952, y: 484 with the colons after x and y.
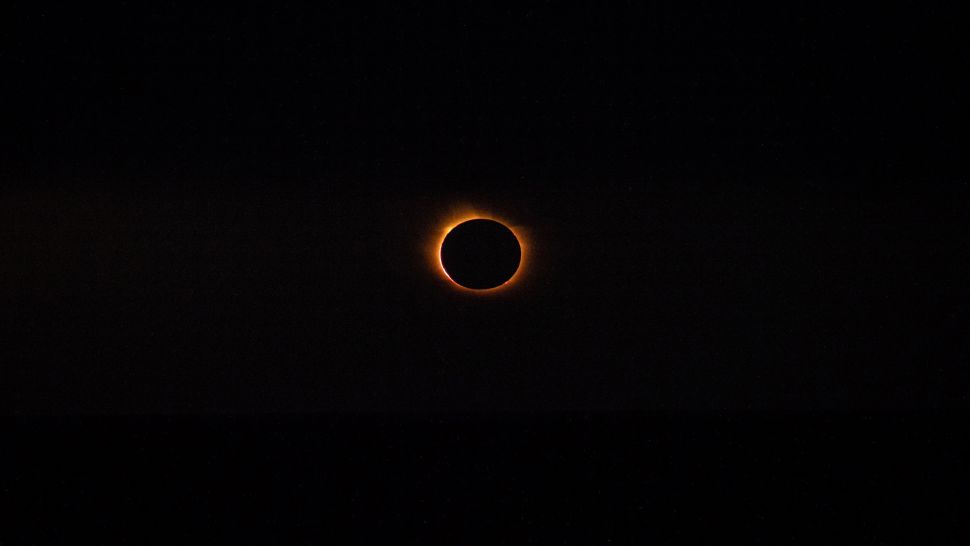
x: 462, y: 214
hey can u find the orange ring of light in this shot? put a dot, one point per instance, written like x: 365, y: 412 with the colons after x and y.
x: 459, y: 216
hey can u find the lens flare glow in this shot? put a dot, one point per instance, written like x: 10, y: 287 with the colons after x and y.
x: 459, y: 215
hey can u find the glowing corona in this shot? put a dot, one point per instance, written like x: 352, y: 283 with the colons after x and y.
x: 462, y: 214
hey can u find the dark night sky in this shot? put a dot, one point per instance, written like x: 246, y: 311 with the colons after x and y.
x: 731, y: 211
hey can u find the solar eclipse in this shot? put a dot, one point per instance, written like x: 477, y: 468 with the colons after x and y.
x: 480, y: 254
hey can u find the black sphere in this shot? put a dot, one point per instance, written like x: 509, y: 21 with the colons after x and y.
x: 480, y: 254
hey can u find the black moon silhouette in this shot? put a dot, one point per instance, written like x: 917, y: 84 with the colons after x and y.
x: 480, y: 254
